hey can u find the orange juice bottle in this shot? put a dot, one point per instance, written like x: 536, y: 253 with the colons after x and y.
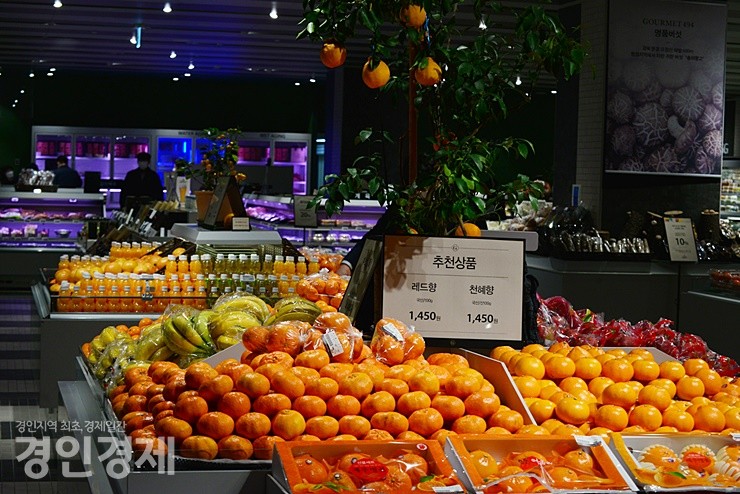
x: 293, y: 282
x: 114, y: 299
x: 278, y: 266
x: 63, y: 262
x: 147, y: 291
x: 175, y: 288
x: 300, y: 267
x: 88, y: 293
x: 289, y: 266
x: 136, y: 291
x: 63, y: 299
x: 76, y: 299
x: 127, y: 300
x: 183, y: 266
x: 201, y: 293
x: 115, y: 250
x: 110, y: 280
x: 161, y: 297
x: 283, y: 285
x: 196, y: 267
x: 313, y: 265
x: 101, y: 303
x: 171, y: 266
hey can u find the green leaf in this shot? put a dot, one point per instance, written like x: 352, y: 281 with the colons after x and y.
x: 678, y: 474
x: 373, y: 186
x: 364, y: 135
x: 426, y: 478
x: 345, y: 191
x: 480, y: 203
x: 461, y: 185
x: 523, y: 149
x: 478, y: 160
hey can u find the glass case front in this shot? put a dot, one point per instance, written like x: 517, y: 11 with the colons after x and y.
x: 169, y: 150
x: 92, y: 154
x: 125, y: 150
x: 48, y: 147
x: 253, y: 152
x: 294, y: 154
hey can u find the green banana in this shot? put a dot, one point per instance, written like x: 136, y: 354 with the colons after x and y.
x: 201, y: 326
x: 175, y: 341
x: 247, y: 303
x: 184, y: 326
x: 230, y: 323
x: 223, y: 342
x: 162, y: 353
x: 97, y: 345
x: 109, y: 335
x: 294, y: 316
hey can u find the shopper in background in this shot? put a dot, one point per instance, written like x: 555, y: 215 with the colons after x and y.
x: 64, y: 176
x: 142, y: 182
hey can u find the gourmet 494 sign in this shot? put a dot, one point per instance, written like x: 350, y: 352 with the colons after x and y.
x: 462, y: 288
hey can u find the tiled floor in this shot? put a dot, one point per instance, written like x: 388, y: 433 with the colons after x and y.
x: 19, y: 387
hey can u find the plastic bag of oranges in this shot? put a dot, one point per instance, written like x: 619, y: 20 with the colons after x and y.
x: 394, y: 342
x: 334, y: 332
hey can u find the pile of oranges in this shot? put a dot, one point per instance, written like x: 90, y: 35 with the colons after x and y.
x: 587, y: 390
x: 324, y: 289
x: 240, y: 409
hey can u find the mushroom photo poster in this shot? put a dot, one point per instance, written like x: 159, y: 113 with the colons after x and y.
x: 665, y: 87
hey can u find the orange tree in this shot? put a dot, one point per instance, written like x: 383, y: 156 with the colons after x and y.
x: 460, y: 78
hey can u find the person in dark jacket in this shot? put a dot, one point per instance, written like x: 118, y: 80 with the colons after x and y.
x: 64, y: 176
x: 142, y: 181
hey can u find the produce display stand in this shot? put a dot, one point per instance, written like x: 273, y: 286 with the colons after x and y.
x: 707, y: 312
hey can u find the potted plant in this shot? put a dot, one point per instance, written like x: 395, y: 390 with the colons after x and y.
x: 462, y: 80
x: 219, y: 156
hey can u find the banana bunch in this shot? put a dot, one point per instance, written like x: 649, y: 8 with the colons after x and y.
x: 100, y: 342
x: 188, y: 335
x: 227, y: 327
x: 248, y: 303
x: 294, y: 309
x: 119, y: 349
x: 151, y: 345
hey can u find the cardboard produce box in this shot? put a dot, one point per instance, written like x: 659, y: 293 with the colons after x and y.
x: 680, y: 462
x: 542, y: 459
x: 372, y: 463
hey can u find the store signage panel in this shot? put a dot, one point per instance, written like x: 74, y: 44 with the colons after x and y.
x: 665, y: 85
x: 469, y: 288
x: 304, y: 215
x: 680, y: 238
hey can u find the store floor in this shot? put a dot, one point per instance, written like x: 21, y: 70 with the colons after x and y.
x: 19, y: 387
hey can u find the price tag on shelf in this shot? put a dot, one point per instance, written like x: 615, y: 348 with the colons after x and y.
x: 680, y: 238
x: 450, y: 287
x: 240, y: 224
x: 304, y: 215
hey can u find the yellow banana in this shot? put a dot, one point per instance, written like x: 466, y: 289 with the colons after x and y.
x: 183, y: 326
x: 175, y: 341
x: 224, y: 342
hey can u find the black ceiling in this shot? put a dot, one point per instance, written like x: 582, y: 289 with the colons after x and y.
x: 220, y: 37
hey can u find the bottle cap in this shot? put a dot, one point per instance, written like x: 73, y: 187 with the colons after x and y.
x: 301, y: 259
x: 123, y: 276
x: 183, y: 257
x: 86, y: 275
x: 186, y: 277
x: 224, y: 276
x: 212, y: 276
x: 201, y: 276
x: 64, y: 257
x: 194, y: 257
x: 280, y: 258
x: 232, y: 257
x: 171, y: 258
x: 254, y: 257
x: 219, y: 257
x: 243, y: 257
x: 206, y: 257
x: 289, y: 259
x: 268, y: 257
x: 173, y: 277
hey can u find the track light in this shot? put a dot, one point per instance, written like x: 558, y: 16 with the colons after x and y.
x: 173, y: 54
x: 136, y: 37
x: 23, y: 91
x: 297, y: 83
x: 191, y: 66
x: 312, y: 79
x: 58, y: 4
x: 186, y: 74
x: 175, y: 79
x: 273, y: 12
x: 133, y: 38
x: 167, y: 8
x: 31, y: 74
x: 518, y: 81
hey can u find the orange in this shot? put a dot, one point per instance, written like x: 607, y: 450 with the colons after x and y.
x: 514, y: 483
x: 708, y: 418
x: 173, y: 427
x: 561, y: 476
x: 311, y: 469
x: 604, y: 357
x: 670, y: 369
x: 510, y: 420
x: 495, y: 353
x: 645, y: 370
x: 618, y: 370
x: 336, y: 370
x: 378, y: 435
x: 646, y: 416
x: 253, y: 384
x: 314, y: 359
x: 412, y: 401
x: 528, y: 386
x: 410, y: 436
x: 451, y: 407
x: 305, y: 374
x: 382, y: 401
x: 235, y: 448
x: 198, y: 373
x: 578, y: 460
x: 732, y: 417
x: 598, y: 385
x: 374, y: 371
x: 694, y: 365
x: 357, y: 384
x: 469, y: 424
x: 599, y: 431
x: 559, y: 368
x: 484, y: 463
x: 392, y: 422
x: 462, y: 386
x: 587, y: 368
x: 354, y: 425
x: 272, y: 403
x: 425, y: 421
x: 542, y: 410
x: 324, y: 388
x: 573, y: 384
x: 711, y: 379
x: 572, y: 411
x: 377, y: 76
x: 190, y: 409
x: 547, y: 391
x: 264, y: 445
x: 215, y: 424
x: 621, y: 394
x: 425, y: 381
x: 401, y: 371
x: 322, y: 427
x: 679, y: 419
x: 309, y: 406
x: 535, y: 430
x: 202, y: 447
x: 611, y: 417
x: 288, y: 424
x: 236, y: 371
x: 395, y: 387
x: 215, y: 388
x: 467, y: 229
x: 341, y: 405
x: 482, y: 404
x: 234, y: 404
x: 443, y: 375
x: 689, y: 387
x: 654, y: 395
x: 413, y: 16
x: 666, y: 384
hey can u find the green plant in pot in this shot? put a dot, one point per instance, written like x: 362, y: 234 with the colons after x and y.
x: 461, y: 81
x: 218, y: 158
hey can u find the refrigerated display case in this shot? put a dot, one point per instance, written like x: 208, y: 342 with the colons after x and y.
x: 49, y: 145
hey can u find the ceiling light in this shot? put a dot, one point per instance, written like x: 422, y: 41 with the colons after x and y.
x: 518, y: 81
x: 187, y: 74
x: 191, y: 66
x: 58, y: 4
x: 482, y: 25
x: 167, y: 8
x: 175, y: 79
x: 312, y: 79
x: 50, y: 74
x: 133, y: 38
x: 16, y: 101
x: 553, y: 91
x: 173, y: 54
x: 52, y: 69
x: 297, y: 83
x: 273, y: 12
x: 23, y: 91
x: 31, y: 74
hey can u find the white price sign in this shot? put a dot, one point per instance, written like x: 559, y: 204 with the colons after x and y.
x: 457, y: 287
x: 680, y: 238
x: 304, y: 215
